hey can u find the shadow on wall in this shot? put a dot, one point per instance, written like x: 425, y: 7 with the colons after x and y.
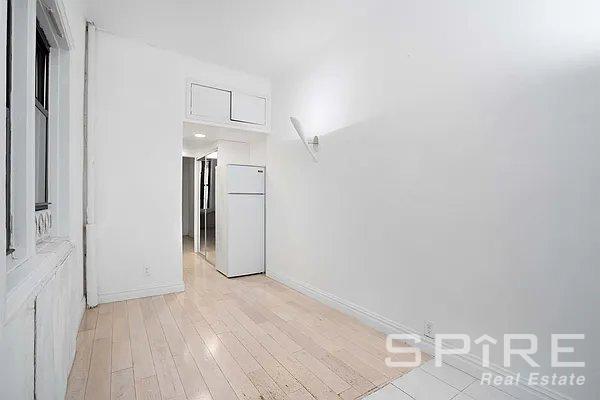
x: 476, y: 208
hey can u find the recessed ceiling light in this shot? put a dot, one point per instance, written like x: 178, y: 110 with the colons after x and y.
x: 199, y: 135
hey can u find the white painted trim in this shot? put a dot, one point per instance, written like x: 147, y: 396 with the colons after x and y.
x: 137, y: 293
x: 23, y: 144
x: 58, y: 8
x: 44, y: 266
x: 470, y: 364
x: 91, y: 274
x: 90, y: 121
x: 3, y: 238
x: 50, y: 12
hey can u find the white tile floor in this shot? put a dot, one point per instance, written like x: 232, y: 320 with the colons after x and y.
x: 452, y: 376
x: 429, y: 382
x: 419, y: 384
x: 389, y: 392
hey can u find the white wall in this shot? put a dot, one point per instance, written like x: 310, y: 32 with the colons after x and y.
x: 52, y: 316
x: 16, y: 349
x: 140, y: 109
x: 458, y: 177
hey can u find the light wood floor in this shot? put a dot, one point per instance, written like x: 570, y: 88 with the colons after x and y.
x: 247, y: 338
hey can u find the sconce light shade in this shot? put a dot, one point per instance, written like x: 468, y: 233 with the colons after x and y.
x: 298, y: 127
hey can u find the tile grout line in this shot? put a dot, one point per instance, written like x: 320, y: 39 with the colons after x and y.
x: 448, y: 383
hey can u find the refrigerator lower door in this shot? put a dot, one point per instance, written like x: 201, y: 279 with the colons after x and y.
x: 245, y: 234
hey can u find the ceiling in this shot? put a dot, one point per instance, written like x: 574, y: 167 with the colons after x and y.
x: 259, y: 36
x: 270, y: 37
x: 214, y: 133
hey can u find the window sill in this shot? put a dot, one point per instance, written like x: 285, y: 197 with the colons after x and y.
x: 30, y: 277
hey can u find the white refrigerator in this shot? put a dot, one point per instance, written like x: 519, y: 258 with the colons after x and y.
x: 245, y: 221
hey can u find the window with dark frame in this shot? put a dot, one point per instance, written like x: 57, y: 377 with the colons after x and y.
x: 42, y: 69
x: 8, y: 221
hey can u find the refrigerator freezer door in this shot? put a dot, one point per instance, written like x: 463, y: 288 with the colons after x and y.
x: 246, y: 234
x: 245, y: 179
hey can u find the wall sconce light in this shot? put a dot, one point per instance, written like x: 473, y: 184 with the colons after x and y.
x: 314, y: 143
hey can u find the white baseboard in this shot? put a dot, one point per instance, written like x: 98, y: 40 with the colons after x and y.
x: 469, y: 363
x: 138, y: 293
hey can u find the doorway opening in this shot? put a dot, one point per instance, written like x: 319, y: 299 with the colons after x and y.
x: 187, y: 203
x: 205, y: 242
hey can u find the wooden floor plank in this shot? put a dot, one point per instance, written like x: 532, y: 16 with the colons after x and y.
x: 143, y: 365
x: 90, y: 317
x: 98, y: 384
x: 147, y: 388
x: 350, y: 375
x: 122, y: 386
x: 266, y: 386
x: 193, y: 384
x: 216, y: 381
x: 121, y: 347
x: 278, y: 372
x: 322, y: 371
x: 239, y: 352
x: 363, y: 369
x: 164, y: 365
x: 81, y: 365
x: 301, y: 394
x: 247, y: 338
x: 239, y: 381
x: 280, y: 337
x: 350, y: 394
